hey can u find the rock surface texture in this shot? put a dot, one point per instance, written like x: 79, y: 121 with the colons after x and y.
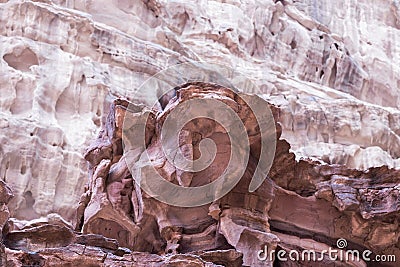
x: 301, y: 205
x: 69, y: 71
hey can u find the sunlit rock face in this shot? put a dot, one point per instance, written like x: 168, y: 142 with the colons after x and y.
x: 330, y: 68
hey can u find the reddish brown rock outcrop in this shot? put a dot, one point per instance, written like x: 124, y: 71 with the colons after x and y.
x: 301, y: 204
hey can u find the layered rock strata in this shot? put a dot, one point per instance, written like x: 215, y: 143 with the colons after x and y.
x: 301, y: 204
x: 328, y: 69
x: 333, y: 68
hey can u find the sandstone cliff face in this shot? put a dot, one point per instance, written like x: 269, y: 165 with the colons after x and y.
x: 63, y: 62
x: 330, y: 69
x: 300, y: 205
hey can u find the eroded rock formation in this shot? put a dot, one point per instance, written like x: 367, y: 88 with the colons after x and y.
x: 51, y: 241
x: 301, y: 204
x: 328, y: 69
x: 63, y: 66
